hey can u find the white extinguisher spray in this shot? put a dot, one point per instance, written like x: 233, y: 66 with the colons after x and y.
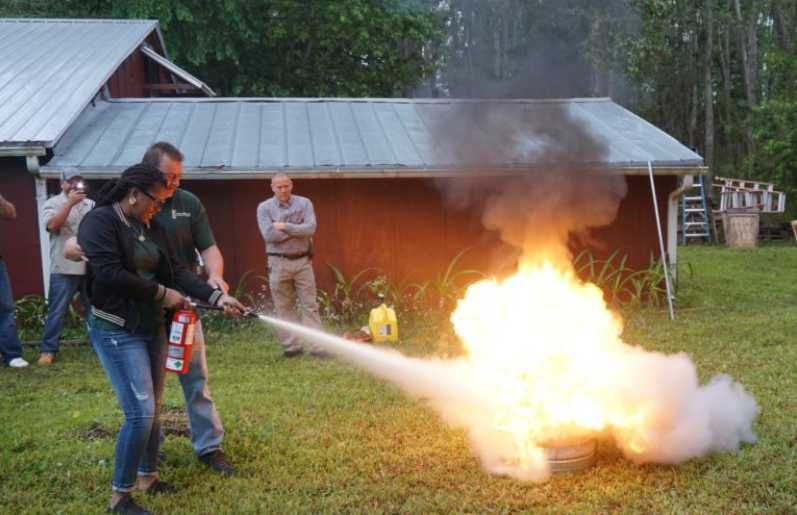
x: 181, y: 341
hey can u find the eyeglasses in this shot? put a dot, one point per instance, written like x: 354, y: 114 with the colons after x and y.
x: 158, y: 203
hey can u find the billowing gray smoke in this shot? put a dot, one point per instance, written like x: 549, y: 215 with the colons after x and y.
x: 531, y: 170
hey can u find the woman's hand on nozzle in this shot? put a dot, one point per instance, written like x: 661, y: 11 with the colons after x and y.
x: 231, y: 305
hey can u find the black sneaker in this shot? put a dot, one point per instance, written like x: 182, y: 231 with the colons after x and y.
x: 127, y: 506
x: 292, y: 353
x: 217, y: 462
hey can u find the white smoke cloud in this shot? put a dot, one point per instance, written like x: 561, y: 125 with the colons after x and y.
x: 689, y: 420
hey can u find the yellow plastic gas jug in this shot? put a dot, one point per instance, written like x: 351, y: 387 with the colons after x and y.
x: 383, y: 324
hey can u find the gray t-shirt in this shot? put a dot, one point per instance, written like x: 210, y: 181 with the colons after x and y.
x: 58, y: 263
x: 300, y: 224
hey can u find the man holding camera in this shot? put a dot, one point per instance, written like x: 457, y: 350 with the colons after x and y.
x: 62, y: 216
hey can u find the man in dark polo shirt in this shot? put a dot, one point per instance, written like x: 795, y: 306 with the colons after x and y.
x: 189, y: 232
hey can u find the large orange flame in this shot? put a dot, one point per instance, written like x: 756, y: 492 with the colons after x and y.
x: 552, y: 349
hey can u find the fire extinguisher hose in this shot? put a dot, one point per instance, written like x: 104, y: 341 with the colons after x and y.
x: 247, y: 313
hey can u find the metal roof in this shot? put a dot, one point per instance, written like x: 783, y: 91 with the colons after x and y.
x: 51, y: 69
x: 243, y: 138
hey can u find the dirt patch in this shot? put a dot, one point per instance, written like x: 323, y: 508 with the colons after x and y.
x: 96, y: 432
x: 174, y: 421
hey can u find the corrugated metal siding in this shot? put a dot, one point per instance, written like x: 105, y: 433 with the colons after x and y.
x: 401, y: 228
x: 51, y: 69
x: 266, y: 135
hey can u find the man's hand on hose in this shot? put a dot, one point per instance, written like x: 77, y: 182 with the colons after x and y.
x: 231, y: 305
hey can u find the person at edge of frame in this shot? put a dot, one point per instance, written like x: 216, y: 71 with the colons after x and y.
x: 10, y: 346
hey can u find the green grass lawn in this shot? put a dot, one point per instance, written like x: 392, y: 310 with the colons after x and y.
x: 314, y: 436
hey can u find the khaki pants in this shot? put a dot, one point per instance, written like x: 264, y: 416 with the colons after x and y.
x: 289, y: 279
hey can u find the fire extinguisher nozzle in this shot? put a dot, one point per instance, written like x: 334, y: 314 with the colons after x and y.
x: 247, y: 313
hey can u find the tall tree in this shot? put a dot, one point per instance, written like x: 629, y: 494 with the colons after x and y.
x: 279, y: 47
x: 708, y: 83
x: 748, y: 50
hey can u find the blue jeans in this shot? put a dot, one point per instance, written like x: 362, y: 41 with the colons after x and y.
x: 62, y: 290
x: 206, y: 429
x: 134, y: 364
x: 10, y: 345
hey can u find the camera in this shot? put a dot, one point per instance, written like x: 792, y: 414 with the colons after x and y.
x: 80, y: 186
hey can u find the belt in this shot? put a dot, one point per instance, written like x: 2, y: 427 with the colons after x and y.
x: 290, y: 256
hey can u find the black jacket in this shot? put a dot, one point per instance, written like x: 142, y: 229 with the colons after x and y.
x: 113, y: 283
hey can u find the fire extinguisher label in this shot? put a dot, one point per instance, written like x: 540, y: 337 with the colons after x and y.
x: 174, y: 364
x: 176, y: 335
x: 189, y: 338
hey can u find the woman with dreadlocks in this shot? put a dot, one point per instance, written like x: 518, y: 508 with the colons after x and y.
x: 133, y: 278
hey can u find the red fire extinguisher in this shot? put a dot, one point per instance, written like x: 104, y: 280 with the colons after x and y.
x: 181, y: 340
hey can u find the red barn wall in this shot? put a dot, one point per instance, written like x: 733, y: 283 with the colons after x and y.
x: 635, y: 230
x: 400, y: 227
x: 128, y: 80
x: 19, y: 240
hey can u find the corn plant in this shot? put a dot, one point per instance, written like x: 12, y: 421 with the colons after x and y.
x: 648, y: 286
x: 243, y: 288
x: 243, y: 291
x: 420, y: 295
x: 610, y: 275
x: 347, y: 292
x: 31, y: 313
x: 622, y: 284
x: 326, y: 304
x: 445, y: 285
x: 378, y: 287
x: 400, y: 293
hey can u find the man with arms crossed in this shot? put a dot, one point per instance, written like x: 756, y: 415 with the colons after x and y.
x: 287, y: 223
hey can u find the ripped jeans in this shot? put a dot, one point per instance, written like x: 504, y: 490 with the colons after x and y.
x: 134, y: 364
